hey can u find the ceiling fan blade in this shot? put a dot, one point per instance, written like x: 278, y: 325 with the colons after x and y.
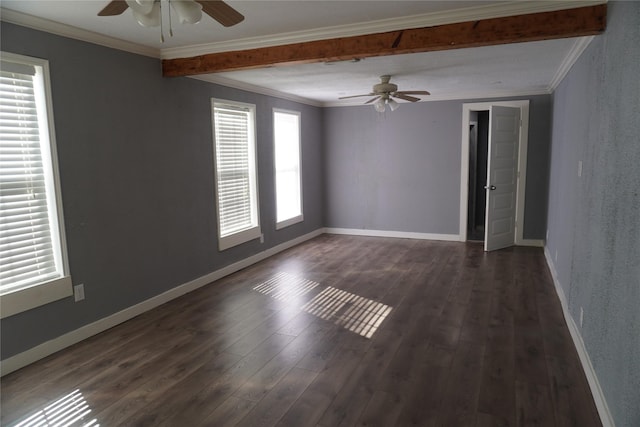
x: 372, y: 100
x: 405, y: 97
x: 115, y: 7
x: 356, y: 96
x: 413, y: 92
x: 221, y: 12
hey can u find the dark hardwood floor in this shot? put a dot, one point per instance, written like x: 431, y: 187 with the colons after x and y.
x: 339, y: 331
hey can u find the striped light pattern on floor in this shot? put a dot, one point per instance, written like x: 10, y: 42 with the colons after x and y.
x: 284, y: 286
x: 353, y: 312
x: 67, y: 411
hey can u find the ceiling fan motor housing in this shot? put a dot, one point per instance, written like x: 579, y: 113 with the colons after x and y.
x: 385, y: 88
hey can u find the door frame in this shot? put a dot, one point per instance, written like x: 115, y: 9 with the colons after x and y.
x: 522, y: 163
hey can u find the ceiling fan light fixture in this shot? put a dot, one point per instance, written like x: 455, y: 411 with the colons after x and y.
x: 149, y: 13
x: 188, y: 11
x: 141, y: 6
x: 379, y: 105
x: 393, y: 104
x: 151, y: 18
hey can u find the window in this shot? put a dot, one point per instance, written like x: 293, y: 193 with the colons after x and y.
x: 286, y: 136
x: 235, y: 162
x: 32, y: 245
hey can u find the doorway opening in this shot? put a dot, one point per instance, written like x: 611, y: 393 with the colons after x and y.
x: 494, y: 216
x: 478, y: 150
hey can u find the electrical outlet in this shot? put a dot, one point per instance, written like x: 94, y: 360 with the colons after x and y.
x: 547, y: 235
x: 581, y: 317
x: 556, y: 255
x: 579, y: 168
x: 78, y: 292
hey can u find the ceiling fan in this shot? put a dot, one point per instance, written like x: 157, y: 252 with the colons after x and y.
x: 384, y: 92
x: 148, y: 12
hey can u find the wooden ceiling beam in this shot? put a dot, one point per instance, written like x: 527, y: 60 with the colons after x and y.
x: 584, y: 21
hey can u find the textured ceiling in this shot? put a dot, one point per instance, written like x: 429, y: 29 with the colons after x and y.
x: 514, y: 68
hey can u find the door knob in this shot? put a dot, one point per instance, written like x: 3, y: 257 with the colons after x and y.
x: 492, y: 187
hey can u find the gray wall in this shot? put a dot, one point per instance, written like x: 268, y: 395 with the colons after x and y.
x: 136, y: 164
x: 136, y: 161
x: 594, y: 221
x: 400, y: 171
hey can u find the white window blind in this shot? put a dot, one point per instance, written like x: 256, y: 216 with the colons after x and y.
x: 286, y: 132
x: 236, y: 184
x: 30, y: 240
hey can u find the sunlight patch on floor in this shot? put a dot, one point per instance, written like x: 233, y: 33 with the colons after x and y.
x: 70, y: 410
x: 353, y: 312
x: 284, y: 286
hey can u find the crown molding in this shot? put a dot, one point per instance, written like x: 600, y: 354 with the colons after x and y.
x: 30, y: 21
x: 380, y: 26
x: 576, y: 51
x: 223, y: 81
x: 371, y: 27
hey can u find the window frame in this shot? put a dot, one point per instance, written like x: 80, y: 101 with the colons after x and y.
x: 299, y: 217
x: 254, y: 232
x: 27, y: 297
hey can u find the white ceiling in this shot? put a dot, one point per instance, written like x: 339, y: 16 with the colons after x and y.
x: 516, y: 69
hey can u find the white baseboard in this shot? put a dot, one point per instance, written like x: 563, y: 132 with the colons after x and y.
x: 396, y: 234
x: 537, y: 243
x: 52, y: 346
x: 594, y: 384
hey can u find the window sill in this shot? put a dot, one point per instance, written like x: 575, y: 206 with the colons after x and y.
x: 238, y: 238
x: 34, y: 296
x: 290, y: 221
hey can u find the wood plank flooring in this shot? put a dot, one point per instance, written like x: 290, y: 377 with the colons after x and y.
x: 338, y: 331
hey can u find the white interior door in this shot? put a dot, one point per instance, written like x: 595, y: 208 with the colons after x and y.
x: 502, y: 177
